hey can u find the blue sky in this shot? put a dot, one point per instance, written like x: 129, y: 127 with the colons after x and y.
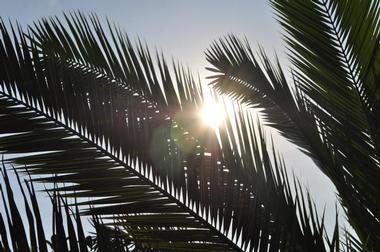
x: 183, y: 30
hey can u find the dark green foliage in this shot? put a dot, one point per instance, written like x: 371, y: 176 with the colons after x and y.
x: 332, y: 114
x: 61, y: 240
x: 104, y: 122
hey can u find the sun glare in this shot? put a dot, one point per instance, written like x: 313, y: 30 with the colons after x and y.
x: 212, y: 114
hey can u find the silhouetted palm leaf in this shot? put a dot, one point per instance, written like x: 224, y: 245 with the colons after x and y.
x: 107, y: 122
x: 332, y: 113
x: 60, y: 241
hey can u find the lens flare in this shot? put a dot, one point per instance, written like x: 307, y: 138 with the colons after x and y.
x: 212, y: 114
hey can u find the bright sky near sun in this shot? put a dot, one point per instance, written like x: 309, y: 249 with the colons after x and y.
x: 183, y: 30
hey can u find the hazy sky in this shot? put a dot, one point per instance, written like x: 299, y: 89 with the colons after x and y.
x: 183, y: 30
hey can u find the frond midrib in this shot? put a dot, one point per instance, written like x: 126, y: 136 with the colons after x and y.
x: 121, y: 163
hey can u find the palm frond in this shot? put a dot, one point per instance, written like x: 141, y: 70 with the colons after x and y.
x: 103, y: 126
x: 35, y: 240
x: 333, y: 73
x: 259, y: 84
x: 328, y: 115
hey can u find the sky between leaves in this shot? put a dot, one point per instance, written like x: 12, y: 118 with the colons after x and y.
x: 183, y: 30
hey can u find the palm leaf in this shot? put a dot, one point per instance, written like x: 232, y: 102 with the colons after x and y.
x: 106, y: 128
x: 329, y: 115
x: 59, y: 238
x: 337, y: 80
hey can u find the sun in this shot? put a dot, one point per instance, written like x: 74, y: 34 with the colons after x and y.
x: 212, y: 114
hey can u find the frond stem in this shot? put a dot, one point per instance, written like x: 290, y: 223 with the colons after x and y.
x: 222, y: 236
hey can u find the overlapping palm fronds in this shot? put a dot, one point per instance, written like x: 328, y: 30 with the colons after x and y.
x: 332, y: 114
x: 14, y: 237
x: 108, y: 122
